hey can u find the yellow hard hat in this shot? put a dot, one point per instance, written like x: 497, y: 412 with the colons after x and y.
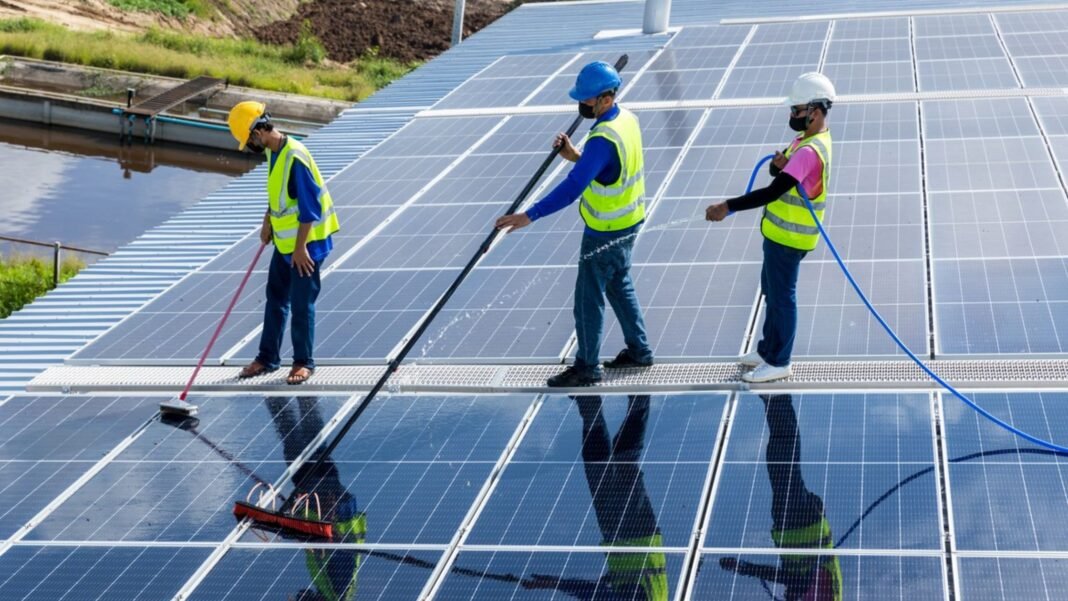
x: 243, y: 117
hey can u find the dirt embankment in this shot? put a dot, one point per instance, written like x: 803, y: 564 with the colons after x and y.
x: 406, y: 30
x: 228, y: 17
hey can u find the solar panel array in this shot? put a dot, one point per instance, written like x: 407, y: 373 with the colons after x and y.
x: 947, y: 198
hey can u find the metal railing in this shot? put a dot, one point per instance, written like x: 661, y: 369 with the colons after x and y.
x: 57, y: 252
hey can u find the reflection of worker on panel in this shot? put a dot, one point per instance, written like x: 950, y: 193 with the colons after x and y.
x: 624, y: 511
x: 321, y: 496
x: 798, y: 520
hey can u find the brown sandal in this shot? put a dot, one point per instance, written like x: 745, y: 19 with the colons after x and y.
x: 253, y: 369
x: 299, y: 375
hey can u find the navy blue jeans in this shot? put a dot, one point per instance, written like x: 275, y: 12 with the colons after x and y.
x: 778, y: 279
x: 287, y: 290
x: 604, y: 270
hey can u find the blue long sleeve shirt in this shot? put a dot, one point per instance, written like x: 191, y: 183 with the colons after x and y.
x: 302, y: 186
x: 599, y: 161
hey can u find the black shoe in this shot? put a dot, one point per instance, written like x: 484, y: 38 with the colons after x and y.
x: 624, y: 359
x: 573, y: 377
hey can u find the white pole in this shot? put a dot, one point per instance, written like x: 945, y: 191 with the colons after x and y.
x: 657, y: 13
x: 458, y: 23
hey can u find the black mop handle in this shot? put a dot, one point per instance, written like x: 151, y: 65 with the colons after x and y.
x: 395, y: 363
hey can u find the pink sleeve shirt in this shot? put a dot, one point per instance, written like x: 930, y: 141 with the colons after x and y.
x: 805, y: 166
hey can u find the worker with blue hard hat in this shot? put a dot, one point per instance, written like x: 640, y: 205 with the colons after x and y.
x: 789, y: 231
x: 609, y: 177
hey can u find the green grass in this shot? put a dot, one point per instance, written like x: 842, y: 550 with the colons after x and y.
x: 297, y: 69
x: 170, y: 8
x: 23, y: 279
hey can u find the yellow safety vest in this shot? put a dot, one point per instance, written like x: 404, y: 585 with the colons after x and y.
x: 814, y: 536
x: 621, y: 204
x: 283, y: 208
x: 787, y: 220
x: 648, y: 570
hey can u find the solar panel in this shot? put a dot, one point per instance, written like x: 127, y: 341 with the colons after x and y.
x: 862, y: 577
x: 1033, y: 21
x: 1006, y: 577
x: 675, y: 85
x: 264, y: 573
x: 951, y: 25
x: 485, y: 92
x: 364, y: 314
x: 958, y: 48
x: 1043, y: 71
x: 141, y: 574
x: 982, y: 457
x: 597, y: 471
x: 525, y: 574
x: 871, y: 29
x: 970, y: 74
x: 869, y: 50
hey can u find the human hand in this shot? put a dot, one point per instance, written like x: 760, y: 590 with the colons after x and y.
x: 302, y: 262
x: 513, y: 222
x: 717, y: 212
x: 567, y: 149
x: 779, y: 160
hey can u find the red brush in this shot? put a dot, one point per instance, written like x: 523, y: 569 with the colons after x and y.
x: 283, y: 521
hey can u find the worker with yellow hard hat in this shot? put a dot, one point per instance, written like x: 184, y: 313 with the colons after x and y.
x: 789, y: 231
x: 300, y: 220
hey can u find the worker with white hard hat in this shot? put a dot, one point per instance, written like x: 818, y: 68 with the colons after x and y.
x: 787, y: 225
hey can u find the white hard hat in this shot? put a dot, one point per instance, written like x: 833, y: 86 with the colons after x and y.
x: 811, y: 87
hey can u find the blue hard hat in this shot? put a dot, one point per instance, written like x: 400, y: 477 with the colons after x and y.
x: 595, y: 79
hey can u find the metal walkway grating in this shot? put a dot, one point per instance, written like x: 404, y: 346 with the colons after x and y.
x: 175, y: 96
x: 667, y: 377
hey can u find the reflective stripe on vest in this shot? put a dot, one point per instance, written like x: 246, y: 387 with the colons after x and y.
x: 621, y: 204
x: 283, y: 209
x: 356, y: 531
x: 787, y: 220
x: 648, y: 570
x: 814, y: 536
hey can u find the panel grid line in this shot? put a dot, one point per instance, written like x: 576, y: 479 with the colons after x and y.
x: 946, y: 496
x: 704, y: 507
x: 437, y: 578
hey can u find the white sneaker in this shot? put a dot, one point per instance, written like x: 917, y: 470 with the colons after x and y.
x: 752, y: 359
x: 767, y: 373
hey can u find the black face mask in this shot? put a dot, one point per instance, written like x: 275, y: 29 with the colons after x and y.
x: 254, y: 147
x: 586, y: 111
x: 799, y: 123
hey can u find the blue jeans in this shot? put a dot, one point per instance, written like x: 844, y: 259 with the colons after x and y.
x: 287, y: 289
x: 778, y: 279
x: 604, y: 270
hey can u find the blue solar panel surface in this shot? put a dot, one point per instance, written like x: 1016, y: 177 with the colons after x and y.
x: 947, y: 200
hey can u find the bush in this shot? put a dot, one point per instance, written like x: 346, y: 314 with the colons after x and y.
x: 22, y: 25
x: 24, y: 279
x: 179, y: 9
x: 298, y: 69
x: 308, y: 48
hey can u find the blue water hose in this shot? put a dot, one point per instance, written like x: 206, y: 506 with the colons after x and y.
x: 894, y: 336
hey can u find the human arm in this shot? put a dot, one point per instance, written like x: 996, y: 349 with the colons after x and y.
x: 309, y: 206
x: 590, y: 164
x: 757, y: 198
x: 265, y: 229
